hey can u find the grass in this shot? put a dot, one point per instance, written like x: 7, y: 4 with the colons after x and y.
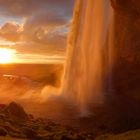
x: 130, y: 135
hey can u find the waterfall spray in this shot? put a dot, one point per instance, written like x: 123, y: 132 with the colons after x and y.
x: 85, y: 65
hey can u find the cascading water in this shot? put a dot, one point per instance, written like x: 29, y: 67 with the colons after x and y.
x: 86, y: 59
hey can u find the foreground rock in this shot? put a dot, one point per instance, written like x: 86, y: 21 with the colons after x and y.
x: 17, y: 124
x: 15, y: 111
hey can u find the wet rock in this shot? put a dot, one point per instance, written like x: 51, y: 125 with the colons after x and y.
x: 103, y: 127
x: 48, y: 128
x: 31, y: 117
x: 2, y: 106
x: 30, y: 133
x: 16, y: 123
x: 66, y: 137
x: 15, y: 111
x: 3, y: 132
x: 2, y: 116
x: 50, y: 123
x: 80, y: 138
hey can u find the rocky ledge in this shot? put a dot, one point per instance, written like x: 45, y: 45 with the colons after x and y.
x: 16, y: 124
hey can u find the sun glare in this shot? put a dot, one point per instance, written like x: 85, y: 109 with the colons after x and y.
x: 6, y: 55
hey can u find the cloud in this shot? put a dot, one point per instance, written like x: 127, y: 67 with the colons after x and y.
x: 35, y: 39
x: 45, y: 22
x: 10, y: 31
x: 46, y: 19
x: 28, y: 7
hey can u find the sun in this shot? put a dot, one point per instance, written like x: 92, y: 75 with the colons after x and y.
x: 6, y: 55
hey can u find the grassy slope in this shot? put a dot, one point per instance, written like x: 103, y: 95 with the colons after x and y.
x: 130, y: 135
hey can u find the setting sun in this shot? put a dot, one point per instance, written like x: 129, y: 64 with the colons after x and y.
x: 6, y: 55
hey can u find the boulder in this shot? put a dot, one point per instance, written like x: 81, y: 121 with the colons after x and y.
x: 30, y: 133
x: 16, y: 112
x: 3, y: 132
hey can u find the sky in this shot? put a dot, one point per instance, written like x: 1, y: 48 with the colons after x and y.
x: 36, y: 29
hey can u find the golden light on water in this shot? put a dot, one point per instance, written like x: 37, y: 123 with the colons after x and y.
x: 6, y: 55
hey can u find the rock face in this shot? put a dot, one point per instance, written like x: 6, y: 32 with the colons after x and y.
x: 129, y: 8
x: 126, y: 78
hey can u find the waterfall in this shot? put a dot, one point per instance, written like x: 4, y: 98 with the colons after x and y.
x: 86, y: 62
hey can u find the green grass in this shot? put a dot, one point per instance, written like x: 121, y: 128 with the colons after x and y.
x: 130, y: 135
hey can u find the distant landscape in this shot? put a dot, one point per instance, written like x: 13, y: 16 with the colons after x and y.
x: 45, y: 73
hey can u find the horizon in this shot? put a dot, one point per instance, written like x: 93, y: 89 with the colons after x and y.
x: 38, y: 34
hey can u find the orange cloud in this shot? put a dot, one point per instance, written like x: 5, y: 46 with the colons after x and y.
x: 46, y: 23
x: 10, y: 31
